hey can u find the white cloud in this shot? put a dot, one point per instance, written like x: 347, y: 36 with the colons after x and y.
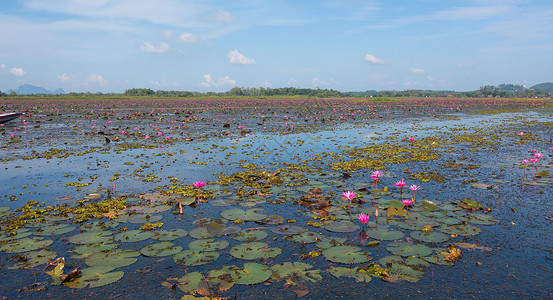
x: 2, y: 66
x: 374, y: 60
x: 158, y: 48
x: 430, y: 78
x: 64, y: 77
x: 223, y: 81
x: 266, y: 84
x: 187, y: 37
x: 417, y: 71
x: 97, y: 79
x: 18, y: 72
x: 237, y: 58
x: 224, y: 16
x: 317, y: 82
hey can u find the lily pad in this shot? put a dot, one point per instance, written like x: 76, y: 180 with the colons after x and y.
x: 35, y: 259
x: 408, y: 249
x: 252, y: 273
x: 144, y: 218
x: 254, y: 250
x: 200, y: 233
x: 14, y: 235
x: 347, y: 254
x: 86, y: 250
x: 250, y: 235
x: 193, y: 283
x: 253, y: 214
x: 208, y: 245
x: 220, y: 230
x: 405, y: 272
x: 429, y: 205
x: 133, y: 236
x: 53, y: 230
x: 297, y: 271
x: 169, y: 235
x: 115, y: 258
x: 429, y: 237
x: 91, y: 237
x: 384, y: 234
x: 342, y: 227
x: 95, y: 277
x: 24, y: 245
x: 99, y: 225
x: 306, y: 237
x: 358, y: 274
x: 287, y: 229
x: 160, y: 249
x: 328, y: 242
x: 195, y: 257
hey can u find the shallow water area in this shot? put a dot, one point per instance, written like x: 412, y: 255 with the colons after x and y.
x: 267, y: 167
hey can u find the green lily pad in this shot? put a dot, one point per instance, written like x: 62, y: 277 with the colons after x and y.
x: 306, y: 237
x: 35, y: 259
x: 438, y: 259
x: 297, y: 271
x: 408, y: 249
x: 144, y: 218
x: 250, y: 235
x: 95, y: 277
x: 87, y: 249
x: 193, y: 283
x: 328, y: 242
x: 157, y: 209
x: 115, y: 258
x: 482, y: 219
x: 347, y: 254
x: 169, y: 235
x: 342, y: 227
x: 385, y: 235
x: 208, y: 245
x: 287, y: 229
x: 449, y: 221
x: 405, y: 272
x: 24, y: 245
x: 429, y: 205
x: 358, y: 274
x: 99, y: 225
x: 200, y: 233
x: 253, y: 214
x: 462, y: 229
x: 254, y: 250
x: 53, y: 230
x: 160, y: 249
x: 416, y: 262
x: 15, y: 234
x: 396, y: 204
x: 195, y: 257
x: 220, y: 230
x: 429, y: 237
x: 130, y: 236
x: 252, y: 273
x: 91, y: 237
x: 471, y: 204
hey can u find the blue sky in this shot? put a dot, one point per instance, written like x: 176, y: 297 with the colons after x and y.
x: 203, y: 45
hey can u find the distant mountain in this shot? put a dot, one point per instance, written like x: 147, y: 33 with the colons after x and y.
x: 546, y: 87
x: 28, y: 89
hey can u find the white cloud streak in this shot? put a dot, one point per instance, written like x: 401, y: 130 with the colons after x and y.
x: 159, y: 48
x: 223, y: 81
x: 374, y: 60
x: 417, y: 71
x: 187, y: 37
x: 97, y: 79
x: 19, y: 72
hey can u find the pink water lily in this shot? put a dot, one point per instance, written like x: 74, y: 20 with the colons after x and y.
x: 414, y: 188
x: 411, y: 139
x: 199, y: 184
x: 375, y: 176
x: 407, y: 202
x: 538, y: 155
x: 363, y: 218
x: 525, y: 161
x: 349, y: 195
x: 401, y: 183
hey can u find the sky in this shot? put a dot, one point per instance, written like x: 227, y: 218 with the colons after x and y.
x: 210, y: 45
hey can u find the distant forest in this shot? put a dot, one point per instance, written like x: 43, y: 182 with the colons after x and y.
x: 542, y: 90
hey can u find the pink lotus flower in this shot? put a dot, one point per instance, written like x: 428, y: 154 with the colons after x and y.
x: 147, y: 137
x: 123, y: 132
x: 376, y: 175
x: 411, y: 139
x: 407, y: 202
x: 534, y: 160
x: 525, y: 161
x: 349, y: 195
x: 199, y: 184
x: 160, y: 133
x: 414, y: 187
x: 363, y: 218
x: 538, y: 155
x: 532, y: 150
x: 521, y: 133
x: 401, y: 183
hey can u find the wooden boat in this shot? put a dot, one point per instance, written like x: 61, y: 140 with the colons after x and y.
x: 4, y: 118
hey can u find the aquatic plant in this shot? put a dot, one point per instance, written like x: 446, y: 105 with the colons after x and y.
x: 199, y: 185
x: 400, y: 184
x: 349, y: 195
x: 363, y: 218
x: 414, y: 188
x: 375, y: 175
